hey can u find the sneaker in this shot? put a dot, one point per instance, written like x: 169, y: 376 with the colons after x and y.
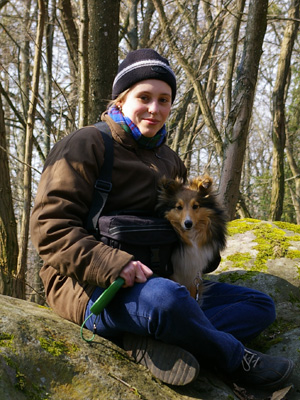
x: 260, y: 370
x: 170, y: 364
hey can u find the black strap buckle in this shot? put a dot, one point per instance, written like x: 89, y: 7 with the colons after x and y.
x: 103, y: 186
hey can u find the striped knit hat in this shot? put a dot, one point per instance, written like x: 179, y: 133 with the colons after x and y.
x: 143, y: 64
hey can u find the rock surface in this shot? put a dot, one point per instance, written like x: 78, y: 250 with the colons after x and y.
x: 42, y: 356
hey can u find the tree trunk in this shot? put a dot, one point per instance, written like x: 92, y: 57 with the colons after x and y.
x: 278, y: 133
x: 22, y: 257
x: 236, y: 130
x: 83, y: 65
x: 294, y: 189
x: 70, y: 33
x: 145, y: 29
x: 133, y: 24
x: 49, y: 32
x: 103, y: 53
x: 25, y: 89
x: 237, y: 19
x: 8, y: 226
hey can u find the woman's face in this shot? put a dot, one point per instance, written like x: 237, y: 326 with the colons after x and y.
x: 148, y: 104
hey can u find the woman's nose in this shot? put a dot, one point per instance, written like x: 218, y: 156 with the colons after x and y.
x: 153, y: 107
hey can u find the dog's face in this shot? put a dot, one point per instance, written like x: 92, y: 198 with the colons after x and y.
x: 188, y: 207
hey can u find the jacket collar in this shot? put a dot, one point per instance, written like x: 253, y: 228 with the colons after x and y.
x: 118, y: 132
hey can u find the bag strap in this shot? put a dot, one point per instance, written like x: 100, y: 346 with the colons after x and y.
x: 103, y: 184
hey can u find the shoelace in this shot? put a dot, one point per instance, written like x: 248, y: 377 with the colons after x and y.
x: 250, y: 360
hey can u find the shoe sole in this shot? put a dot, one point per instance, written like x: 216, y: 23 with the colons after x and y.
x: 170, y: 364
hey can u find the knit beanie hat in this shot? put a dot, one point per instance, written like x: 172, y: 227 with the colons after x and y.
x: 143, y: 64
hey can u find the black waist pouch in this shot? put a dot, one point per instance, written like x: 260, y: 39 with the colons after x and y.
x: 150, y: 240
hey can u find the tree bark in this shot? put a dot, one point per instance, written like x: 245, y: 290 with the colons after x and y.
x: 8, y: 226
x: 24, y: 234
x: 279, y: 122
x: 133, y: 25
x: 295, y: 191
x: 145, y: 29
x: 69, y: 30
x: 103, y: 53
x: 49, y: 32
x: 236, y: 130
x: 83, y: 64
x: 70, y: 33
x: 237, y: 19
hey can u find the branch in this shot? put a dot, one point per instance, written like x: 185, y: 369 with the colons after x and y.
x: 3, y: 3
x: 18, y: 159
x: 205, y: 109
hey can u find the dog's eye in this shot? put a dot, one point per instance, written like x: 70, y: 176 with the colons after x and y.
x: 179, y: 208
x: 195, y: 206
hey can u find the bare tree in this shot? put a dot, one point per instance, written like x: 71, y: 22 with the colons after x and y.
x: 49, y: 32
x: 83, y: 64
x: 278, y: 133
x: 70, y: 32
x: 8, y: 226
x: 236, y: 131
x: 103, y: 52
x: 191, y: 74
x: 22, y: 257
x: 237, y: 18
x: 294, y: 189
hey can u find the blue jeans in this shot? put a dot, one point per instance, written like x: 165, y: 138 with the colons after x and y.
x: 213, y: 332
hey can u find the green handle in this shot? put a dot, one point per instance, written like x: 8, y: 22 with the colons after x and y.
x: 107, y: 296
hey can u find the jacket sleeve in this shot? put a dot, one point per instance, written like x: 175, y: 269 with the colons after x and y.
x: 61, y: 206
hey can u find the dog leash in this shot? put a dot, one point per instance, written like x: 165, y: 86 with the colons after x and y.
x: 103, y: 300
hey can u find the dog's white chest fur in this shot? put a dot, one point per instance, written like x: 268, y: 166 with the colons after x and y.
x: 189, y: 262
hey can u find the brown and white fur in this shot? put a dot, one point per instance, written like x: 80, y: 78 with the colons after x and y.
x: 200, y: 222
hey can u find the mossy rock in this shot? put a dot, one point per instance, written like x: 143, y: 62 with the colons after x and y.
x: 42, y: 356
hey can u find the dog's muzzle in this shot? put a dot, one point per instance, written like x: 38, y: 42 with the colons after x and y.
x: 188, y: 224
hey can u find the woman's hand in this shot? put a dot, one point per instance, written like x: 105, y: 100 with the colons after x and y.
x: 135, y: 271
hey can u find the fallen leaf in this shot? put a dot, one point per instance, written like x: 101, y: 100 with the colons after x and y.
x: 280, y: 394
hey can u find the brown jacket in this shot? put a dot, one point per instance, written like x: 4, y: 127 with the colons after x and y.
x: 74, y: 261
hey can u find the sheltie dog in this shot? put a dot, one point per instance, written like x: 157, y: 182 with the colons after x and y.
x: 196, y: 215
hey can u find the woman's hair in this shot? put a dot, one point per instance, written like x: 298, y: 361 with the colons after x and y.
x: 119, y: 99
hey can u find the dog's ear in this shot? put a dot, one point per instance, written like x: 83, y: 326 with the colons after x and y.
x: 202, y: 184
x: 170, y: 186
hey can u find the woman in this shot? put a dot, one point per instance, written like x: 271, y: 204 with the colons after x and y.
x: 160, y: 324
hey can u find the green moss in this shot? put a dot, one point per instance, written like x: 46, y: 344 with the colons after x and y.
x: 24, y: 384
x: 272, y: 242
x: 21, y: 381
x: 6, y: 340
x: 233, y: 277
x: 119, y: 356
x: 288, y: 226
x: 239, y: 259
x: 44, y: 307
x: 272, y: 335
x: 293, y: 254
x: 294, y: 299
x: 239, y: 226
x: 295, y: 238
x: 57, y: 347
